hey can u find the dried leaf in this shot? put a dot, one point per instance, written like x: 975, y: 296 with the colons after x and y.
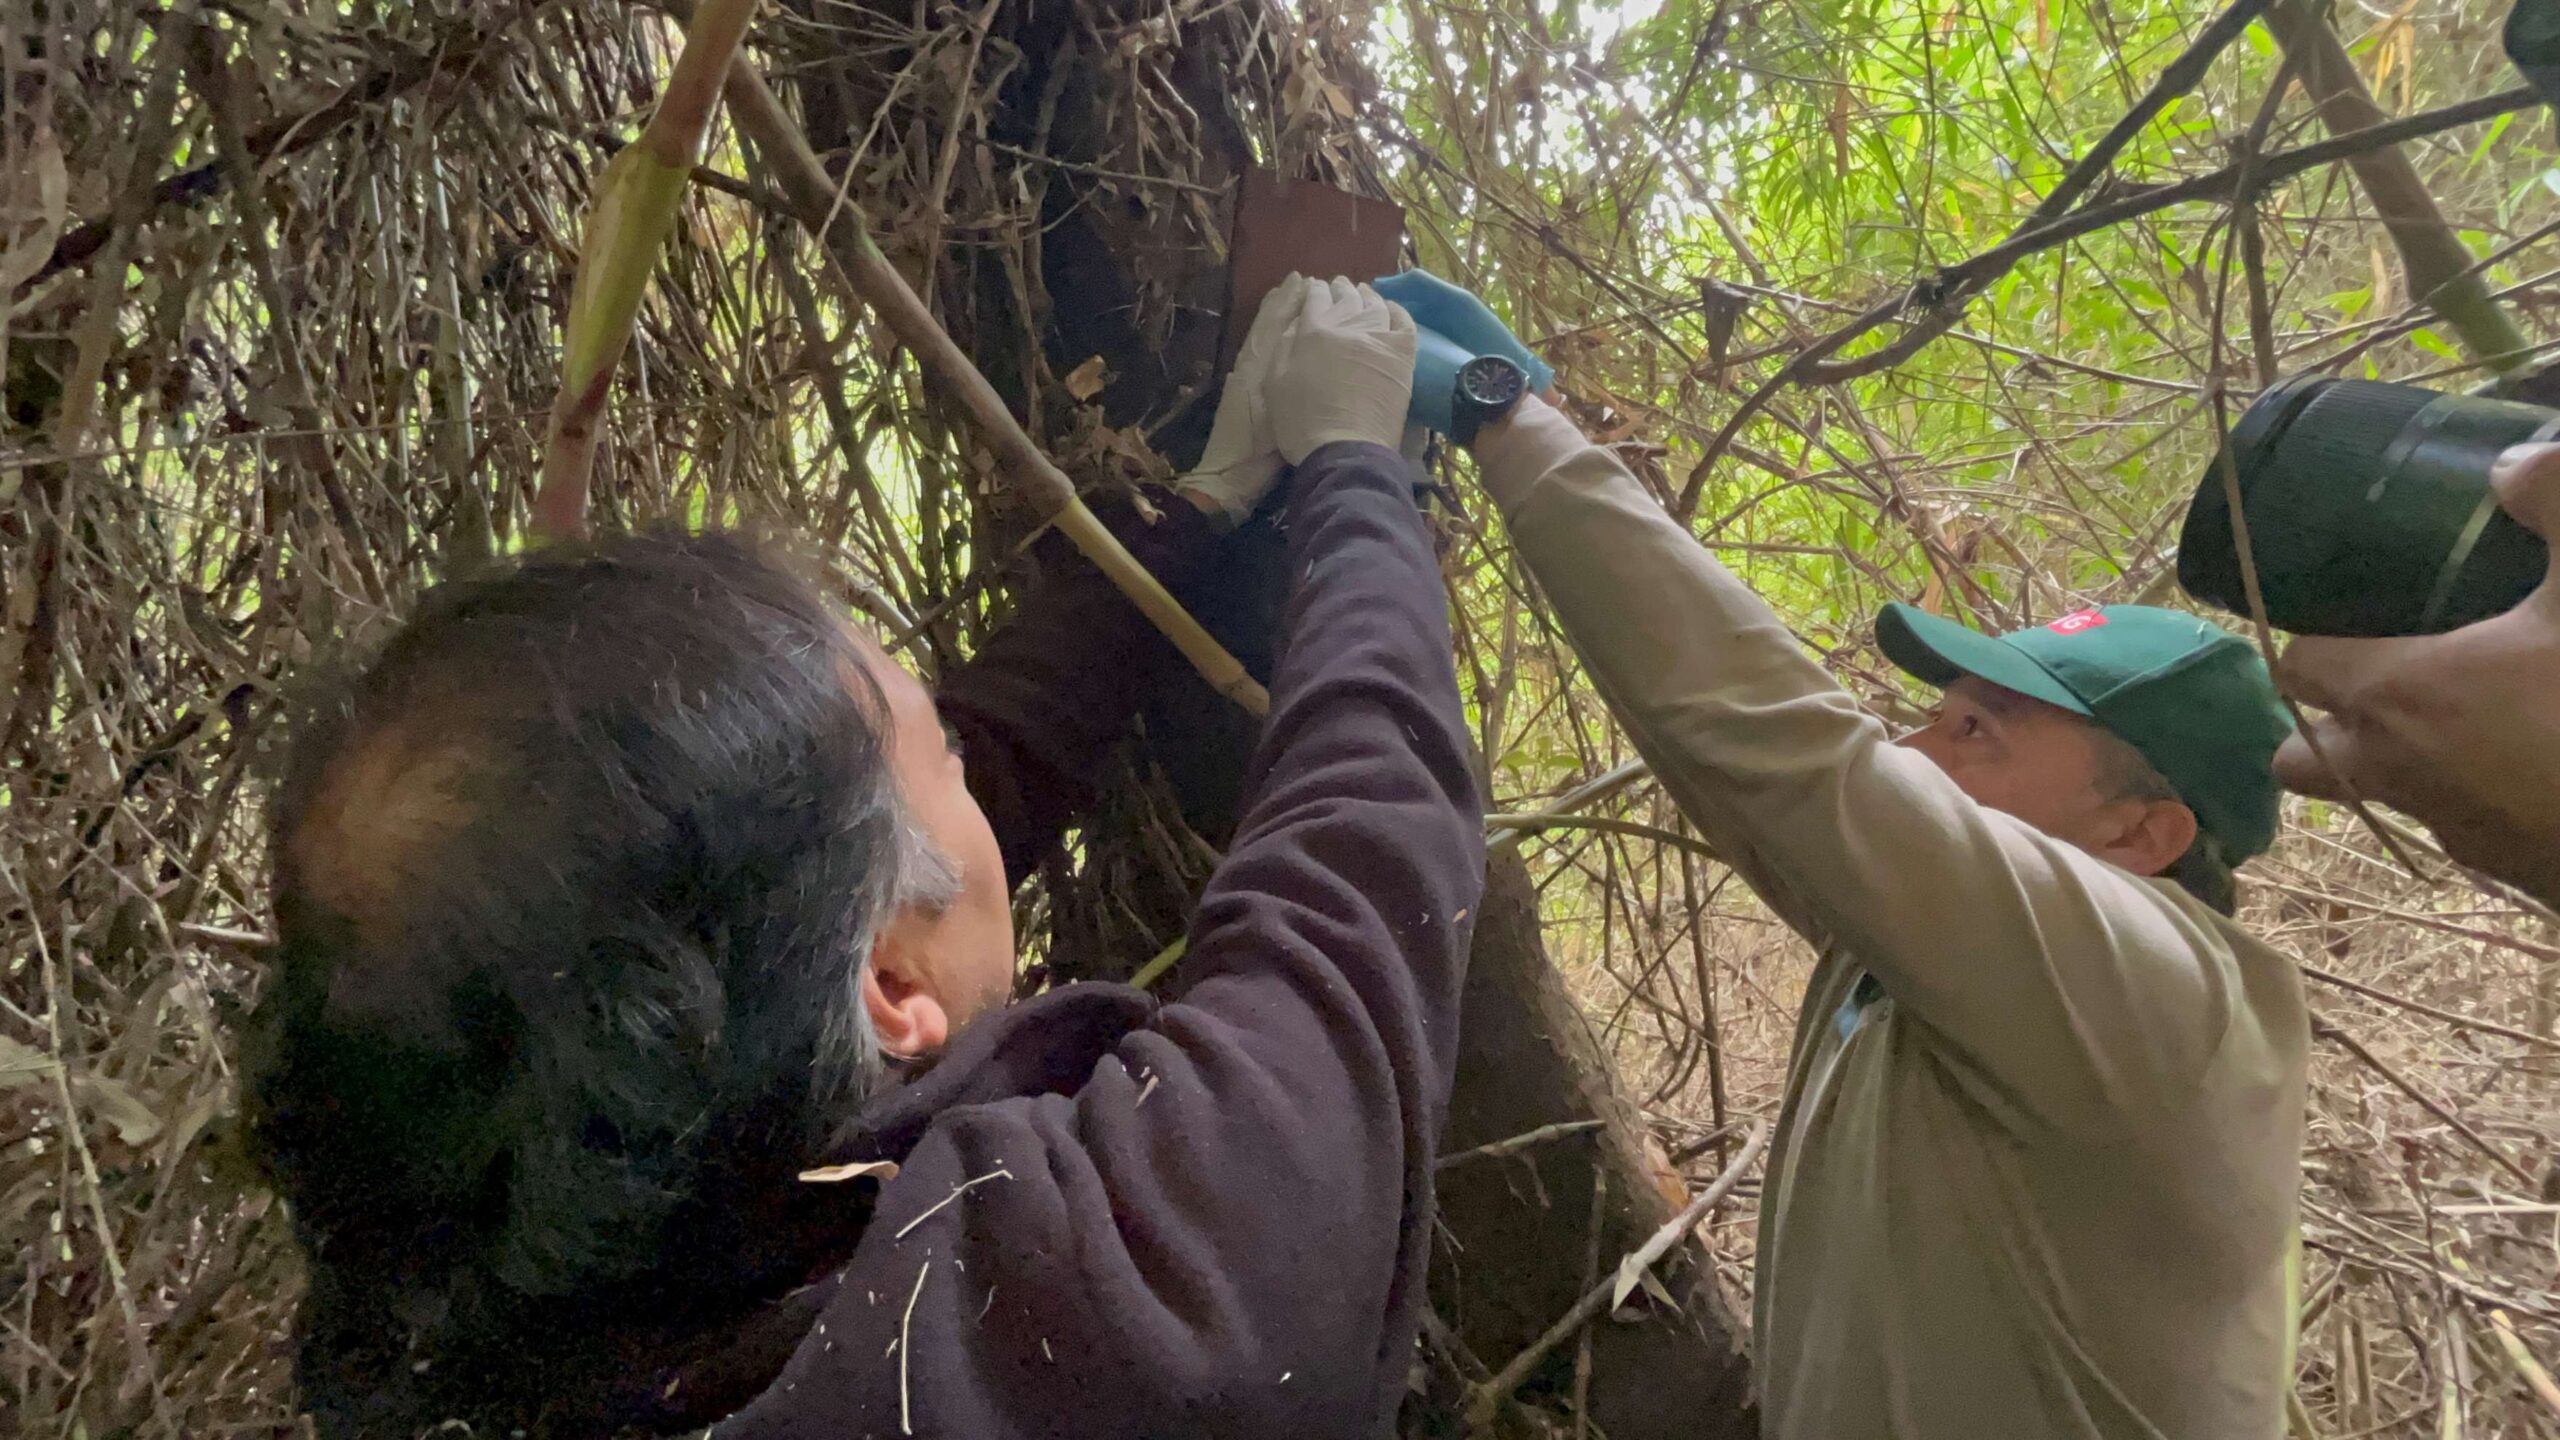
x: 35, y: 203
x: 1660, y: 1292
x: 122, y: 1110
x: 22, y: 1067
x: 1634, y: 1274
x: 22, y: 1064
x: 1631, y: 1273
x: 1086, y: 380
x: 837, y: 1174
x: 1720, y: 307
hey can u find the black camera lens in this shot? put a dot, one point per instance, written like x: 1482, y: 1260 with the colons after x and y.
x: 2533, y: 44
x: 2369, y: 510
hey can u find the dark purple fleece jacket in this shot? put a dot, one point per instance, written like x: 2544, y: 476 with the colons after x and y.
x: 1209, y: 1215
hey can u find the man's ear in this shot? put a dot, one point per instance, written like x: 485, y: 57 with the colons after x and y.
x: 2151, y: 835
x: 898, y: 993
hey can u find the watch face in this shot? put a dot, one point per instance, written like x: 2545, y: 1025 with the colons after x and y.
x: 1492, y: 380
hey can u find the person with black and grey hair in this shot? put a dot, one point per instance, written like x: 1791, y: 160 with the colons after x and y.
x: 606, y: 888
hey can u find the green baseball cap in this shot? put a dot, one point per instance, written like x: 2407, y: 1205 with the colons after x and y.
x: 2194, y: 698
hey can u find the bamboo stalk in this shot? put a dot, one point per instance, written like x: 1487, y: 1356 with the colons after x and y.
x: 842, y: 230
x: 1154, y: 970
x: 2440, y: 268
x: 1510, y: 829
x: 2529, y: 1368
x: 628, y: 221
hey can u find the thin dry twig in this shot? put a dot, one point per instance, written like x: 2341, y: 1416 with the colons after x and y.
x: 906, y: 1347
x: 1515, y: 1144
x: 963, y: 1188
x: 2328, y: 1029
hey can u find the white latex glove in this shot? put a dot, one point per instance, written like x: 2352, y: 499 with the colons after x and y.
x: 1242, y: 460
x: 1346, y: 373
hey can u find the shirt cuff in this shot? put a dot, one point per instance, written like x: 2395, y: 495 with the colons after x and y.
x: 1532, y: 440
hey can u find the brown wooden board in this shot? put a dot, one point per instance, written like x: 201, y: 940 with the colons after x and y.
x: 1284, y: 227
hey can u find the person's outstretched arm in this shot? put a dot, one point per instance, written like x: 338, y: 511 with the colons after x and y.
x: 1220, y: 1231
x: 2072, y: 987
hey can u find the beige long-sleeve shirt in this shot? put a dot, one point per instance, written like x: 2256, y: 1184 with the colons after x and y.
x: 2036, y: 1167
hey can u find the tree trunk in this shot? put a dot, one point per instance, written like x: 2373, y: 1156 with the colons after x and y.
x: 1515, y: 1228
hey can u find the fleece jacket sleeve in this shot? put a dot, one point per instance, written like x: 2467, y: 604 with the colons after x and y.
x: 1221, y: 1228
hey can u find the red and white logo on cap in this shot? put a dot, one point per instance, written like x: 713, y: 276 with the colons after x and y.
x: 2077, y: 621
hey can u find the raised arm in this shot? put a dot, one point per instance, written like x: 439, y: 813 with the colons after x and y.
x: 2070, y: 984
x: 1219, y: 1228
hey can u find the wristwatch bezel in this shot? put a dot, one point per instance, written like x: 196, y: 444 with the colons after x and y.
x: 1475, y: 403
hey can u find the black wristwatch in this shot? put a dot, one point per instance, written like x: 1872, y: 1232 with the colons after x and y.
x: 1487, y: 389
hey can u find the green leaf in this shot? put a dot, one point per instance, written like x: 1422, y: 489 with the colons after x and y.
x: 2497, y: 128
x: 2435, y: 345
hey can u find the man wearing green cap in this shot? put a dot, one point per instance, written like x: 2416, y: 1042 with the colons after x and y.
x: 2036, y: 1167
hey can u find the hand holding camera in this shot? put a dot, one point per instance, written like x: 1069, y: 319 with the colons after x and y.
x: 2462, y: 729
x: 2404, y: 534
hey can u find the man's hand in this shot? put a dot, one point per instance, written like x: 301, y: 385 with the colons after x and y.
x: 2461, y: 730
x: 1345, y: 372
x: 1456, y: 328
x: 1243, y: 458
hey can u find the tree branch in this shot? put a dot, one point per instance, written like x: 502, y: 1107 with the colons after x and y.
x: 1945, y: 305
x: 289, y: 135
x: 2436, y: 262
x: 1487, y: 1399
x: 2221, y: 184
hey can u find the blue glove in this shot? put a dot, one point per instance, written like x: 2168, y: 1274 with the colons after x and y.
x: 1455, y: 327
x: 1436, y: 359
